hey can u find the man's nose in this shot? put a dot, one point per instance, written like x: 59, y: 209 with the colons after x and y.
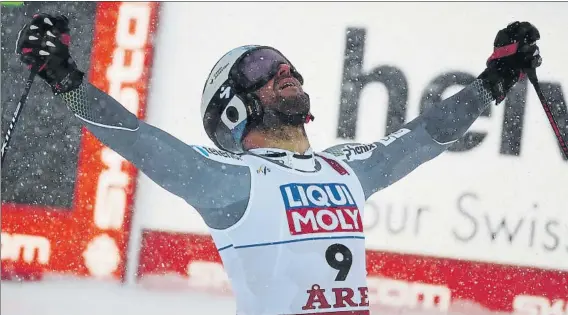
x: 283, y: 70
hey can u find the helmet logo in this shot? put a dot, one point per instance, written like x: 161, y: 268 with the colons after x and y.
x: 225, y: 92
x: 217, y: 73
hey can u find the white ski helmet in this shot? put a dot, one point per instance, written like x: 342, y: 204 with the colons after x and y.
x: 228, y: 107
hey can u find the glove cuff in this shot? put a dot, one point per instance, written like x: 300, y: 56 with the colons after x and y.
x: 69, y: 83
x: 499, y: 81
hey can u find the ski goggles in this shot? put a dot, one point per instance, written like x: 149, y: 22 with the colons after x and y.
x: 258, y: 66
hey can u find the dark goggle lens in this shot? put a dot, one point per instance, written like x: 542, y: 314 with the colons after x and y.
x: 259, y: 66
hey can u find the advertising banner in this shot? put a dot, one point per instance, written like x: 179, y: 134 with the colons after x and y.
x: 67, y: 199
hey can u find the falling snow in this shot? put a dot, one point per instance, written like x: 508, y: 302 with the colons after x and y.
x: 41, y: 169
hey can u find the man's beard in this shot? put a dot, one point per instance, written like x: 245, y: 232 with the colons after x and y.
x: 283, y: 119
x: 289, y: 111
x: 298, y: 104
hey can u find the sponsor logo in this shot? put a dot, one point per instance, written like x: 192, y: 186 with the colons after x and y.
x: 320, y: 208
x: 335, y: 165
x: 263, y: 170
x: 539, y: 305
x: 393, y: 136
x: 207, y: 152
x: 218, y: 72
x: 225, y: 92
x: 129, y: 56
x: 112, y: 193
x: 352, y: 152
x: 528, y: 231
x: 358, y: 152
x: 414, y: 295
x: 511, y: 125
x: 29, y: 248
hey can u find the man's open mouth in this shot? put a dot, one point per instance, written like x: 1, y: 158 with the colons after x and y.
x: 287, y: 85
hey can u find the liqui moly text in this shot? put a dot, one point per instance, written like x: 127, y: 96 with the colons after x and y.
x: 320, y: 208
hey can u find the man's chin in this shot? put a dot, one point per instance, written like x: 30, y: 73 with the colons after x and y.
x: 298, y: 104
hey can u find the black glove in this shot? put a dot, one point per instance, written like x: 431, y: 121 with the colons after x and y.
x: 43, y: 44
x: 515, y: 53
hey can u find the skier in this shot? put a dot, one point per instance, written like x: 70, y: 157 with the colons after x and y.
x: 287, y: 221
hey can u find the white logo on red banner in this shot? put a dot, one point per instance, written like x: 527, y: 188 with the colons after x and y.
x: 320, y: 208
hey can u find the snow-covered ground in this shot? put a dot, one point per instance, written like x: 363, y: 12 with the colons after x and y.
x: 88, y: 297
x: 82, y: 297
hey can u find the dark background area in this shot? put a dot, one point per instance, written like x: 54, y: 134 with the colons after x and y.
x: 41, y: 163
